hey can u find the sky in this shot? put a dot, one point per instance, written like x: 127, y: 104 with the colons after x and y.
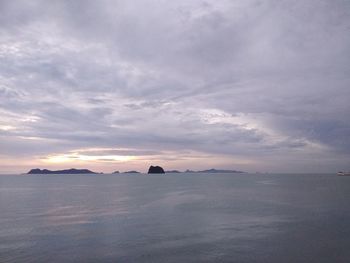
x: 189, y: 84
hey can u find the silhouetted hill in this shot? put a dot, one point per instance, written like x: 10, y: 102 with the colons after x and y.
x: 68, y: 171
x: 155, y: 170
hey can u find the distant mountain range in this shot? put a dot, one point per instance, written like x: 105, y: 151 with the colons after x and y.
x: 214, y: 171
x: 68, y: 171
x: 86, y: 171
x: 219, y: 171
x: 127, y: 172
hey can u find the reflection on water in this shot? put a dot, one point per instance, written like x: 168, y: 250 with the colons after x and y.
x: 174, y: 218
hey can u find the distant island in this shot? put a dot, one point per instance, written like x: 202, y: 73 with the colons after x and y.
x: 155, y: 170
x: 68, y: 171
x: 172, y: 172
x: 214, y: 171
x: 219, y: 171
x: 131, y: 172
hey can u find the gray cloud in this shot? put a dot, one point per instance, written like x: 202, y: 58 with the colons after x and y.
x: 252, y: 80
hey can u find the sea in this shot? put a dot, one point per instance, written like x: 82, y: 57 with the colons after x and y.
x: 272, y: 218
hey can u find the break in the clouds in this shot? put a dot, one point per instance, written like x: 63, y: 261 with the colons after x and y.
x: 116, y: 85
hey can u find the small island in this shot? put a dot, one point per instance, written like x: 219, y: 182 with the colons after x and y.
x: 155, y: 170
x: 131, y: 172
x: 68, y: 171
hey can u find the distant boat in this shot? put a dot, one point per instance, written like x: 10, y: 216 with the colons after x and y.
x: 344, y: 173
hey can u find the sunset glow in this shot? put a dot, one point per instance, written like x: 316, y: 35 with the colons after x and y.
x: 72, y: 158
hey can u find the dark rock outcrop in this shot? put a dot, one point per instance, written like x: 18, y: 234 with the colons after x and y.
x: 68, y: 171
x: 155, y: 170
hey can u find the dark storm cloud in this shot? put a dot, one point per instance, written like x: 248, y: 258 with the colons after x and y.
x: 236, y: 78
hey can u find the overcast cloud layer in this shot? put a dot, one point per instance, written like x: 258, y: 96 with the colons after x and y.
x: 117, y: 85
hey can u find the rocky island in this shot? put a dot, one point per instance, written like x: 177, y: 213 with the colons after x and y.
x: 68, y: 171
x: 156, y: 170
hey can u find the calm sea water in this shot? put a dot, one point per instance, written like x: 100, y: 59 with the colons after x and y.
x: 175, y: 218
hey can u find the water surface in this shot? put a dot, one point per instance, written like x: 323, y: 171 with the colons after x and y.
x: 175, y: 218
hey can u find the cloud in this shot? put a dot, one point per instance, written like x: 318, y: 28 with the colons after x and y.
x: 227, y: 80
